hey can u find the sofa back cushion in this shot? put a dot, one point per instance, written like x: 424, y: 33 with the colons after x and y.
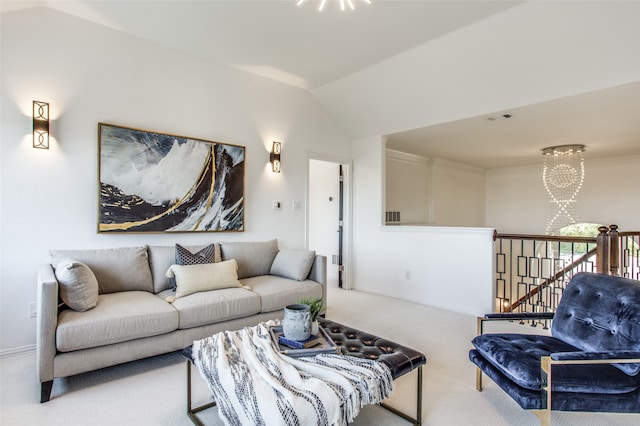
x: 600, y: 313
x: 116, y: 269
x: 293, y: 264
x: 253, y: 258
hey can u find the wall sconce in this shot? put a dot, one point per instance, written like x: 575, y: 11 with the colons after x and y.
x: 40, y: 125
x: 274, y: 157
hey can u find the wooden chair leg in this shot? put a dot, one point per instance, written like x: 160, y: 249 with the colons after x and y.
x: 45, y: 390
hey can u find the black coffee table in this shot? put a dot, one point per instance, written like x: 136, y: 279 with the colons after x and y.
x: 400, y: 360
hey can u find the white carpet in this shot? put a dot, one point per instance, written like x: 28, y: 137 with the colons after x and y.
x: 152, y: 391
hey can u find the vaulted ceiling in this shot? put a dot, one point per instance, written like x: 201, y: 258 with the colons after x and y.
x: 296, y: 45
x: 319, y: 51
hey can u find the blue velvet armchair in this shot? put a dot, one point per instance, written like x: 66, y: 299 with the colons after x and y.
x: 591, y: 361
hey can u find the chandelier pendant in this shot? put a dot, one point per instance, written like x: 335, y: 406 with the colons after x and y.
x: 562, y: 176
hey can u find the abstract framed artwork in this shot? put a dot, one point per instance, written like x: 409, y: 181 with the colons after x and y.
x: 156, y: 182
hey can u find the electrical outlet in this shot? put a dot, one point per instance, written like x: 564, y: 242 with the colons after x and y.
x: 277, y: 205
x: 32, y: 310
x: 296, y: 205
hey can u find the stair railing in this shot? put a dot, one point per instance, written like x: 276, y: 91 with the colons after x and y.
x: 532, y: 271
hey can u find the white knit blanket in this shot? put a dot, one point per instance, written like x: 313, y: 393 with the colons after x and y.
x: 253, y: 384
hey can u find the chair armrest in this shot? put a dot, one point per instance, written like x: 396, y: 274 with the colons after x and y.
x: 619, y: 359
x: 627, y: 361
x: 513, y: 316
x: 622, y: 356
x: 46, y: 322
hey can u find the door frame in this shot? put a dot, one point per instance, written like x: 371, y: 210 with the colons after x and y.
x: 347, y: 164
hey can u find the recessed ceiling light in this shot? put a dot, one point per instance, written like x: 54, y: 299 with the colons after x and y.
x: 504, y: 116
x: 343, y: 4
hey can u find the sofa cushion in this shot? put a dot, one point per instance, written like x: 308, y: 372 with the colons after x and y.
x: 277, y: 292
x: 205, y: 277
x: 517, y: 356
x: 254, y: 258
x: 293, y: 264
x: 77, y: 284
x: 161, y: 257
x: 209, y: 307
x: 118, y: 317
x: 116, y: 269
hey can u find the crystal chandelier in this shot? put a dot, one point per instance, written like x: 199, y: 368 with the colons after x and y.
x: 343, y: 4
x: 562, y: 175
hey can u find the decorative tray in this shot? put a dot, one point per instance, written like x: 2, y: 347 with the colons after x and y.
x: 326, y: 344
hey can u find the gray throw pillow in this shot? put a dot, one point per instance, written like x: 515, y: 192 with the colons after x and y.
x: 293, y: 264
x: 254, y: 258
x: 185, y: 257
x: 77, y: 284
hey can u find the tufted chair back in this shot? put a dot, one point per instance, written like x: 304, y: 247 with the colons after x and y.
x: 600, y: 313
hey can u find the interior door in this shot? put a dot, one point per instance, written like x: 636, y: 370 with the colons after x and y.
x: 326, y: 223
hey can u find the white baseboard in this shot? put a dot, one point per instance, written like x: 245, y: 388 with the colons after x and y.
x: 17, y: 351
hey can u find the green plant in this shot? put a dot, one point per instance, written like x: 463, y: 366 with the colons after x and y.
x: 315, y: 306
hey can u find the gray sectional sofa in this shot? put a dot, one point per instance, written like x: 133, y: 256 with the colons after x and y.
x: 134, y: 313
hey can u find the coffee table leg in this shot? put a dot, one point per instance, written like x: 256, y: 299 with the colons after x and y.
x: 418, y: 419
x: 191, y: 411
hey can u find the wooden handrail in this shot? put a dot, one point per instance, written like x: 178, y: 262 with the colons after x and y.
x: 561, y: 238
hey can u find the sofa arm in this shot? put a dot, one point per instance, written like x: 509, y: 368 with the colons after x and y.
x: 47, y: 321
x: 318, y: 274
x: 513, y: 316
x: 318, y: 271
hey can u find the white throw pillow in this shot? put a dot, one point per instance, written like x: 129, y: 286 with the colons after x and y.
x: 77, y: 284
x: 207, y: 276
x: 293, y: 264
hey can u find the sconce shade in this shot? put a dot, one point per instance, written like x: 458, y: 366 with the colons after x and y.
x: 274, y: 157
x: 40, y: 125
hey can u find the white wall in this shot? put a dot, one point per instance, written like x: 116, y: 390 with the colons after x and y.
x: 451, y: 268
x: 90, y: 74
x: 517, y: 202
x: 408, y: 183
x: 501, y: 62
x: 458, y: 194
x: 433, y: 192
